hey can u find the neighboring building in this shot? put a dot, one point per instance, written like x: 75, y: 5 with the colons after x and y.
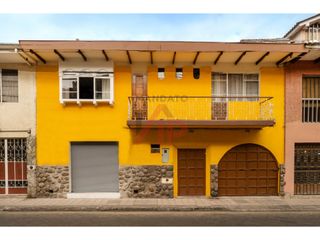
x: 160, y: 119
x: 303, y: 111
x: 17, y: 121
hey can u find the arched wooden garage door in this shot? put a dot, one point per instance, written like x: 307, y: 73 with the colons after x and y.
x: 248, y: 170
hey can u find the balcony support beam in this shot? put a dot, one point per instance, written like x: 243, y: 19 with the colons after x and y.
x: 82, y: 55
x: 38, y: 56
x: 240, y: 57
x: 105, y: 55
x: 129, y: 57
x: 262, y: 57
x: 218, y: 57
x: 174, y: 58
x: 151, y: 57
x: 196, y: 58
x: 62, y: 58
x: 297, y: 58
x: 284, y: 58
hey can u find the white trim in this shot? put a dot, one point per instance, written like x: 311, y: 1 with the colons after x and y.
x: 60, y: 90
x: 112, y: 195
x: 94, y: 76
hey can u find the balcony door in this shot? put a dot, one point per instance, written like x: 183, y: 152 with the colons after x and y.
x: 219, y: 90
x: 139, y: 94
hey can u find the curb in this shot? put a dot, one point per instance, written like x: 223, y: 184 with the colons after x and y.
x: 69, y: 208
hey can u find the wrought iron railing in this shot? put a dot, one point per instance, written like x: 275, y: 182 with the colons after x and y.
x: 200, y: 108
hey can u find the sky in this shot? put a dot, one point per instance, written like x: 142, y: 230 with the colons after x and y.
x: 180, y: 27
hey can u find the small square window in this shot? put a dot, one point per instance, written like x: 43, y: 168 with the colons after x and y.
x: 155, y: 148
x: 179, y: 73
x: 161, y: 73
x: 196, y: 73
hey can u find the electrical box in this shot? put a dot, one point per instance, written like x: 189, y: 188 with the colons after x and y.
x: 165, y: 155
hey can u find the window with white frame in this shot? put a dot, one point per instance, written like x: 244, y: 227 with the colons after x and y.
x: 161, y: 73
x: 235, y: 85
x: 87, y: 86
x: 8, y: 85
x: 179, y: 73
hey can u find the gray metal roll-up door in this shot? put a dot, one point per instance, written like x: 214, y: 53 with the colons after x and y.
x: 94, y: 167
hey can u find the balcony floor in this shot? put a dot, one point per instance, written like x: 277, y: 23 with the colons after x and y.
x: 214, y: 124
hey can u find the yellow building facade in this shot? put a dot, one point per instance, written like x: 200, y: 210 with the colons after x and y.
x: 60, y: 125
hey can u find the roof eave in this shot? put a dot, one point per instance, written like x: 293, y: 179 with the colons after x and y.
x: 160, y: 46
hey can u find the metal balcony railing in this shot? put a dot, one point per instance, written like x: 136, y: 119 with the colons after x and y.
x: 200, y: 108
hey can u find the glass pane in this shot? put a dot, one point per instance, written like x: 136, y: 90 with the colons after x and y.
x: 251, y: 77
x: 219, y: 84
x: 219, y: 88
x: 161, y: 75
x: 179, y: 73
x: 102, y: 88
x: 252, y: 88
x: 86, y: 87
x: 69, y: 88
x: 235, y: 85
x: 9, y: 85
x: 219, y: 76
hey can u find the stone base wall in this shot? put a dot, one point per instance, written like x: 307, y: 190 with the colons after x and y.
x: 145, y: 181
x: 31, y: 166
x: 282, y: 179
x: 214, y: 180
x: 52, y: 181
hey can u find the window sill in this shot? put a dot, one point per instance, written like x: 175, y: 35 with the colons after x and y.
x: 93, y: 101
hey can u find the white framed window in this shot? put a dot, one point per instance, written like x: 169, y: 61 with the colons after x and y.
x: 235, y: 85
x: 179, y: 73
x: 8, y: 85
x: 161, y: 73
x: 86, y: 87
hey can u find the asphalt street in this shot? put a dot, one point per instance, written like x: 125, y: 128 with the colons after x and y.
x: 159, y: 219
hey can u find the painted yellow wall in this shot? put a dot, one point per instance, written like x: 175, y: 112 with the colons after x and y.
x: 58, y: 125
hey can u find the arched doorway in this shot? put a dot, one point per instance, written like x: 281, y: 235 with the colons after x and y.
x: 248, y: 170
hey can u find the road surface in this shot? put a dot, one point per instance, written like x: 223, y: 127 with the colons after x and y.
x: 159, y: 219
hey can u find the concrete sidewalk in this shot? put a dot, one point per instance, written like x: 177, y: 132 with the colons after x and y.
x: 234, y: 204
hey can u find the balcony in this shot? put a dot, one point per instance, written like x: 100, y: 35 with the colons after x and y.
x: 200, y: 112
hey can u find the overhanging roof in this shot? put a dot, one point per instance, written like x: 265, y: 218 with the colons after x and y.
x: 159, y: 46
x: 9, y: 54
x: 162, y: 52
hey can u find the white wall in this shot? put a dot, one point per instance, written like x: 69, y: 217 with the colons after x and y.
x: 21, y: 115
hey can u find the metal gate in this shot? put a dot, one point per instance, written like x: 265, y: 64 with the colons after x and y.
x: 94, y: 167
x: 307, y: 169
x: 13, y: 166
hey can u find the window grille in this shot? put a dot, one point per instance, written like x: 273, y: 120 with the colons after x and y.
x: 9, y: 85
x: 311, y: 99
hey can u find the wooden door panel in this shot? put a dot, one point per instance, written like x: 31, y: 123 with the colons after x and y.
x: 248, y: 170
x: 191, y: 172
x: 139, y: 90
